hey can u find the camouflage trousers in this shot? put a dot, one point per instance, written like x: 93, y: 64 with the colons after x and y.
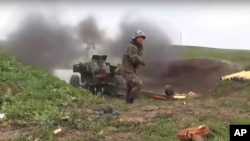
x: 134, y: 85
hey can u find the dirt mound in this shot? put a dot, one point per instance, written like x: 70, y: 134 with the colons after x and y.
x: 199, y: 74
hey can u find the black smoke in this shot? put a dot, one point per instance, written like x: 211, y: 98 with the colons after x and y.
x: 43, y: 42
x: 158, y: 48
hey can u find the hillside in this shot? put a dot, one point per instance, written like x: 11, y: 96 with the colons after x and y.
x: 33, y: 99
x: 237, y: 56
x: 36, y: 103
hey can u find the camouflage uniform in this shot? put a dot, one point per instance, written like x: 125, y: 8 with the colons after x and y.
x: 131, y: 60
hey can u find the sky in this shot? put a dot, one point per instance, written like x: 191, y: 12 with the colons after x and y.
x: 218, y: 25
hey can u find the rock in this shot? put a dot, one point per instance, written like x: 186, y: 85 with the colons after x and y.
x: 107, y: 109
x: 116, y: 112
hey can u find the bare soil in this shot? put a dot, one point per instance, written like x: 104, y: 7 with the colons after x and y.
x: 13, y: 133
x: 122, y: 136
x: 4, y: 89
x: 144, y: 114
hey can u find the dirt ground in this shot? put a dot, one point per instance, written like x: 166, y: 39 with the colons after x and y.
x: 199, y: 75
x: 13, y: 133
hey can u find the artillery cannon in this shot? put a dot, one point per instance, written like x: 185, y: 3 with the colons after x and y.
x: 98, y: 76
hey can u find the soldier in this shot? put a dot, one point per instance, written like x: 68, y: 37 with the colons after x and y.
x: 131, y: 60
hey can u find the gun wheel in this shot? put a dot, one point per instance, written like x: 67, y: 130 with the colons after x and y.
x: 75, y: 81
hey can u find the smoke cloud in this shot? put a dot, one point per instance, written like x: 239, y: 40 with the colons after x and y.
x: 43, y: 42
x: 49, y: 44
x: 158, y: 50
x: 88, y: 30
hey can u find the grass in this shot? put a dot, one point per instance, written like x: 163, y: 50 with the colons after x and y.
x: 36, y: 103
x: 237, y: 56
x: 39, y: 99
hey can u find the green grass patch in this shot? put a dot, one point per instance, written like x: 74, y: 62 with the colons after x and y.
x: 40, y: 98
x: 241, y: 57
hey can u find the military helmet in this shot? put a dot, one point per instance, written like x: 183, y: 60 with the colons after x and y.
x: 138, y: 33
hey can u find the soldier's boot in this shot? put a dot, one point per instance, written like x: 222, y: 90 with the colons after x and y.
x: 133, y: 90
x: 129, y: 100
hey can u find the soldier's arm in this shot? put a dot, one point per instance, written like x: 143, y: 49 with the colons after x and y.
x: 134, y: 57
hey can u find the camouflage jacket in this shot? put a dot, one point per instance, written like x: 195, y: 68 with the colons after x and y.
x: 132, y: 59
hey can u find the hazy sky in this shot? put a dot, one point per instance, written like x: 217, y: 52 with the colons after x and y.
x: 220, y: 25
